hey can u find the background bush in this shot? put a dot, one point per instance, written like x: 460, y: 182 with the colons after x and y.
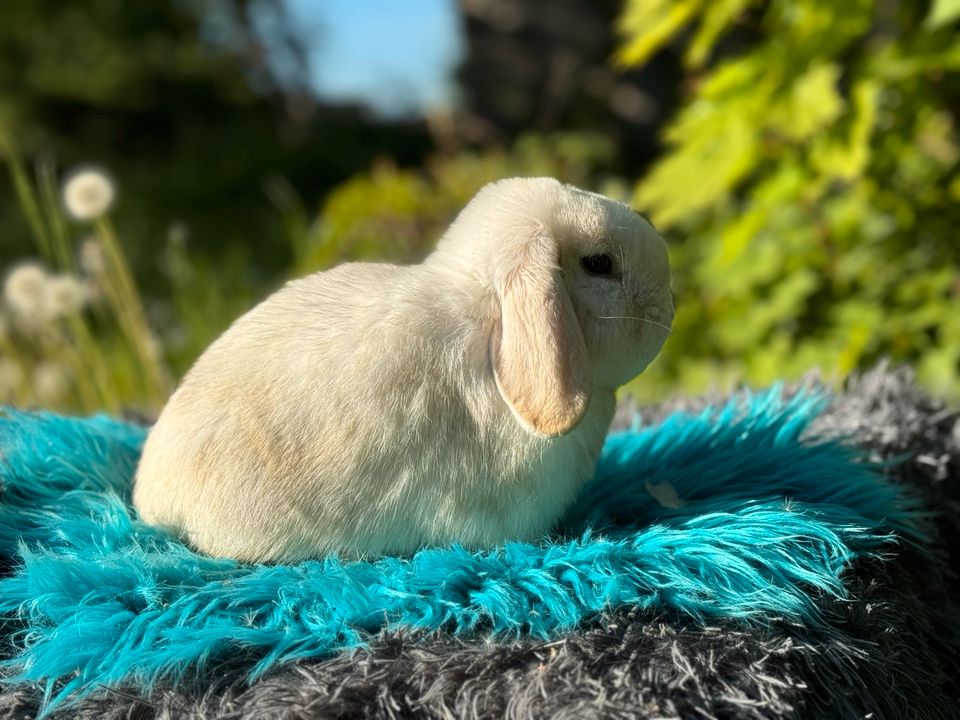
x: 810, y: 185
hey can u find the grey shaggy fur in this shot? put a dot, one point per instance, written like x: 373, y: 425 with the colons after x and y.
x: 892, y: 652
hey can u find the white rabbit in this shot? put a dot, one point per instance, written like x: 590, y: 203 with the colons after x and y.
x: 374, y: 409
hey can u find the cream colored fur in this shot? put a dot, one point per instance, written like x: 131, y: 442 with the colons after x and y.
x: 376, y: 409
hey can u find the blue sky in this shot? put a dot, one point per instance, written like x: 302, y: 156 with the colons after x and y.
x: 395, y: 55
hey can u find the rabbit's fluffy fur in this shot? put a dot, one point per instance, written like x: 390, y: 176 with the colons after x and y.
x: 374, y: 409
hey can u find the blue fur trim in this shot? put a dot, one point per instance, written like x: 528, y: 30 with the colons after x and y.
x: 770, y: 523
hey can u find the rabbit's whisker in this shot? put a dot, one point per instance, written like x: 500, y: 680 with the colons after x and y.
x: 630, y: 317
x: 624, y: 270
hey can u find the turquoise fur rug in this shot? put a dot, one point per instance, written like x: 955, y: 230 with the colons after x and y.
x: 767, y: 523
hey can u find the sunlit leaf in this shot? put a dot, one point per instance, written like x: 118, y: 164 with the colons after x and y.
x: 847, y: 158
x: 812, y: 103
x: 717, y: 19
x: 942, y: 12
x: 649, y: 24
x: 700, y: 172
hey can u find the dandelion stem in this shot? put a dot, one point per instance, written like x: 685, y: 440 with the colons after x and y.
x: 93, y: 366
x: 128, y: 307
x: 59, y: 242
x: 27, y: 197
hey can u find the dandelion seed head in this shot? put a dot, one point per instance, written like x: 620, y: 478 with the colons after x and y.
x: 24, y: 290
x: 49, y: 382
x: 91, y: 256
x: 64, y: 294
x: 88, y: 193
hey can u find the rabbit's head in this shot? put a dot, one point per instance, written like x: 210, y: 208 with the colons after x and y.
x: 580, y: 293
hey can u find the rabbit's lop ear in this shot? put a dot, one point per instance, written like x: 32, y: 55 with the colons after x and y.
x: 537, y: 350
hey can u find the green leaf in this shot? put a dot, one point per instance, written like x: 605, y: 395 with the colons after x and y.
x: 717, y: 19
x: 847, y: 159
x: 699, y: 174
x: 813, y: 102
x: 942, y: 12
x: 648, y: 25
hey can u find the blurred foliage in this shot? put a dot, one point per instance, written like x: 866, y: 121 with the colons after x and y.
x: 810, y: 187
x: 194, y: 104
x: 398, y: 215
x: 157, y: 90
x: 73, y: 332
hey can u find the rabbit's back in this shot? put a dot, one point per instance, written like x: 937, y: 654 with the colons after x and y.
x: 353, y: 411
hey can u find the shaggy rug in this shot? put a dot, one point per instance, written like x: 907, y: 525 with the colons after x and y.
x: 782, y: 554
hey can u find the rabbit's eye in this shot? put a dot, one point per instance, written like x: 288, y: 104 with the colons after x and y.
x: 597, y: 264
